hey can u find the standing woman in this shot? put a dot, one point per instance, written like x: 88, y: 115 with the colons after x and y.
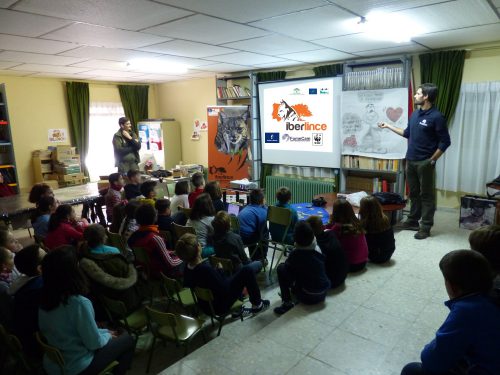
x: 66, y: 320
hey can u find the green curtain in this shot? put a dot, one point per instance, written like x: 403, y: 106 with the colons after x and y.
x: 444, y: 69
x: 78, y: 103
x: 329, y: 70
x: 135, y: 103
x: 278, y: 75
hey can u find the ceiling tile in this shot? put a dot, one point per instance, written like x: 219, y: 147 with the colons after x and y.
x: 409, y: 48
x: 311, y: 24
x: 318, y: 56
x: 7, y: 64
x: 273, y: 45
x: 101, y: 53
x: 461, y: 37
x: 451, y: 15
x: 188, y: 49
x: 245, y: 58
x: 244, y: 10
x: 226, y: 68
x: 122, y: 14
x: 35, y: 45
x: 49, y: 68
x: 102, y: 64
x: 363, y: 7
x: 159, y: 77
x: 356, y: 42
x: 183, y: 60
x: 103, y: 36
x: 37, y: 58
x: 110, y: 73
x: 206, y: 29
x: 6, y: 3
x: 279, y: 64
x: 63, y: 75
x: 24, y: 24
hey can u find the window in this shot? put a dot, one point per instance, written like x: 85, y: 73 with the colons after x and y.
x: 103, y: 123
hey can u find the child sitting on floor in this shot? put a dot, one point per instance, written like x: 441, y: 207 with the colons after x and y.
x: 350, y: 233
x: 378, y: 231
x: 303, y: 271
x: 486, y: 240
x: 468, y: 342
x: 226, y: 290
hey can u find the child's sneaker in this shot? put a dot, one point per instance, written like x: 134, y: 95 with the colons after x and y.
x: 264, y: 305
x: 285, y: 306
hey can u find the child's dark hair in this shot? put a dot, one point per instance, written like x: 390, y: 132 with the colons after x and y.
x: 303, y: 234
x: 256, y: 196
x: 114, y: 177
x: 62, y: 278
x: 27, y: 260
x: 186, y: 247
x: 162, y: 205
x: 467, y: 270
x: 95, y: 235
x: 132, y: 173
x: 39, y: 190
x: 283, y: 195
x: 202, y: 207
x: 316, y: 224
x: 372, y: 215
x: 145, y: 214
x: 181, y: 188
x: 4, y: 234
x: 213, y: 189
x: 43, y: 207
x: 197, y: 179
x: 61, y: 214
x: 343, y: 213
x: 221, y: 223
x: 147, y: 188
x: 486, y: 240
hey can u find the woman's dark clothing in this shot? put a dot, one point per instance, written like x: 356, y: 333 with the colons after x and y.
x: 336, y: 263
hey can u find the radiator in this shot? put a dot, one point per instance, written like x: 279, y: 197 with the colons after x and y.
x: 302, y: 190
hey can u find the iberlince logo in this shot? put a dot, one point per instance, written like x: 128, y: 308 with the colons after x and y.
x: 272, y: 137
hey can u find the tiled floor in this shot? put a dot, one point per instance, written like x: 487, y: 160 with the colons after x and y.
x: 373, y: 326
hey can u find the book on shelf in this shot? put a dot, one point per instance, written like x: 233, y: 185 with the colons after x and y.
x: 369, y: 184
x: 232, y: 92
x: 363, y: 162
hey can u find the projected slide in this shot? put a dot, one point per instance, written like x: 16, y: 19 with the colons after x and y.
x: 297, y: 122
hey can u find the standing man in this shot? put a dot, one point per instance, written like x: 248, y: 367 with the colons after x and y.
x: 126, y: 145
x: 428, y: 139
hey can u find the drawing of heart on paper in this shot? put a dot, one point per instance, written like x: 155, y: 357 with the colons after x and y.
x: 394, y: 114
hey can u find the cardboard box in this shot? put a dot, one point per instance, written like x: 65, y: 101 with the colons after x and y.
x: 356, y: 183
x: 63, y: 152
x: 70, y: 177
x: 70, y: 159
x: 67, y: 169
x: 102, y: 184
x: 54, y: 184
x: 476, y: 212
x: 46, y: 167
x: 42, y: 154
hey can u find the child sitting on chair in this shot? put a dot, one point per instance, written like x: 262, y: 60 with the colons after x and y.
x: 284, y: 195
x: 114, y: 195
x: 226, y: 290
x: 164, y: 214
x: 303, y: 271
x: 40, y: 221
x: 468, y: 342
x: 198, y: 182
x: 95, y: 235
x: 133, y: 188
x: 148, y: 190
x: 64, y: 229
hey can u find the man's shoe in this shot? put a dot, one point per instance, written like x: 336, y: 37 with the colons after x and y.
x: 285, y: 306
x: 408, y: 225
x: 422, y: 234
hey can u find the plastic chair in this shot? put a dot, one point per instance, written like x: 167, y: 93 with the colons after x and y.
x: 143, y: 263
x: 282, y: 217
x: 55, y: 355
x: 179, y: 230
x: 187, y: 211
x: 167, y: 237
x: 207, y: 296
x: 174, y: 292
x: 116, y: 240
x: 12, y: 358
x: 235, y: 223
x: 179, y: 329
x: 133, y: 322
x: 224, y: 263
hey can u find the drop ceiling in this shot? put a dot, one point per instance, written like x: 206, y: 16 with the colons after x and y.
x: 95, y: 39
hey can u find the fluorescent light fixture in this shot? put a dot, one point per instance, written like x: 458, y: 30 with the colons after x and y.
x: 388, y: 26
x: 157, y: 66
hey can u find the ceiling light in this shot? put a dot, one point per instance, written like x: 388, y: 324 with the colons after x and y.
x: 157, y: 66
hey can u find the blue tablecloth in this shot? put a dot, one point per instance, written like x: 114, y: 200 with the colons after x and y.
x: 304, y: 210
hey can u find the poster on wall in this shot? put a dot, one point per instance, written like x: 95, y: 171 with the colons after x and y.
x: 228, y: 143
x: 362, y: 111
x: 57, y: 135
x: 297, y: 122
x: 151, y: 136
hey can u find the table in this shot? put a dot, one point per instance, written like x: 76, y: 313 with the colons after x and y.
x: 16, y: 207
x: 171, y: 180
x: 389, y: 209
x: 304, y: 210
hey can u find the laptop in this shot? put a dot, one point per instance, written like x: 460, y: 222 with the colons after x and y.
x: 233, y: 209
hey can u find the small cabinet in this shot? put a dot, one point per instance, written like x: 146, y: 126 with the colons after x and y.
x: 7, y: 160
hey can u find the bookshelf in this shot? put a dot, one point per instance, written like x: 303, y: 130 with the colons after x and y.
x: 7, y: 159
x: 372, y: 175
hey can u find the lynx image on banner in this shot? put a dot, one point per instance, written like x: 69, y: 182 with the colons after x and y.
x: 228, y: 143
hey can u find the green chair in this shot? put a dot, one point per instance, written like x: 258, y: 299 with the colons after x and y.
x: 55, y: 355
x: 12, y: 358
x: 175, y: 293
x: 235, y: 223
x: 134, y: 322
x: 176, y: 328
x: 206, y: 295
x: 116, y: 240
x: 225, y: 264
x: 180, y: 230
x: 278, y: 216
x: 167, y: 237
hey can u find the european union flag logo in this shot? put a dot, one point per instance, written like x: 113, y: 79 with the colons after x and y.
x: 313, y: 91
x: 272, y: 137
